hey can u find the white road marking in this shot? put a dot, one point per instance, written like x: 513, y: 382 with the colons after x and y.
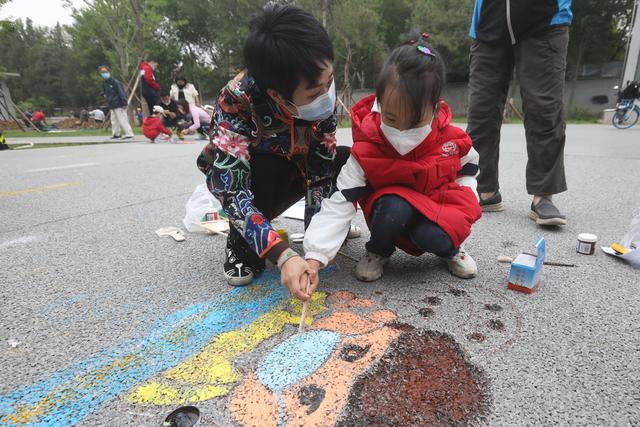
x: 18, y: 241
x: 55, y: 168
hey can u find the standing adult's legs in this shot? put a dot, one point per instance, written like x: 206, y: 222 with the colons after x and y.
x: 152, y: 100
x: 123, y: 121
x: 491, y: 66
x: 115, y: 124
x: 540, y: 65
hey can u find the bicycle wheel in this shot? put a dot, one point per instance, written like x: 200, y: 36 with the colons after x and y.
x: 625, y: 121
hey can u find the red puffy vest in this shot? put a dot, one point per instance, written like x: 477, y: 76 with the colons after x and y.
x: 425, y: 177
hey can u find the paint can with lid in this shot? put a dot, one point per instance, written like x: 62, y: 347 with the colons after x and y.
x: 586, y: 243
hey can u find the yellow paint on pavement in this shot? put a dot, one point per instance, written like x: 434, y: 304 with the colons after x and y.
x: 210, y: 373
x: 39, y: 189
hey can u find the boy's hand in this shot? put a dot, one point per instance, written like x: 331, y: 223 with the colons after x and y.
x: 294, y: 275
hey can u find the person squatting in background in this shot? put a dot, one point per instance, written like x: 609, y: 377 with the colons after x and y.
x: 200, y: 118
x: 153, y: 129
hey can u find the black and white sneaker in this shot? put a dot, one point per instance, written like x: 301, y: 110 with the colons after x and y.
x: 237, y: 272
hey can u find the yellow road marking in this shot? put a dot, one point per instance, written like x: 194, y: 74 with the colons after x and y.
x: 38, y: 189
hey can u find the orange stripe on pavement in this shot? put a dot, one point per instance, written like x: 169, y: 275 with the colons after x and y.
x: 39, y: 189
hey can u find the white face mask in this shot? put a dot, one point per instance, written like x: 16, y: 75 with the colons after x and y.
x: 320, y: 108
x: 405, y: 140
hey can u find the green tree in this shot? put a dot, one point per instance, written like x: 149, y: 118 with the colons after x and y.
x: 599, y: 34
x: 447, y: 21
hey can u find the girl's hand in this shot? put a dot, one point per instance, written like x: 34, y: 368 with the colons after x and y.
x: 294, y: 275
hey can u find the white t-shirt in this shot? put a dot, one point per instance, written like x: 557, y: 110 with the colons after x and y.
x: 190, y: 93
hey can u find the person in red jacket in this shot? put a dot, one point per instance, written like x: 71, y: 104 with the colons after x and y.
x: 153, y: 128
x: 149, y: 86
x: 412, y: 172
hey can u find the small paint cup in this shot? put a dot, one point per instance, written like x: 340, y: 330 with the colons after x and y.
x: 586, y: 243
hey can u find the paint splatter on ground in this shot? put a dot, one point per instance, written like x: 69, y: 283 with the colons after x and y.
x: 423, y: 379
x: 378, y: 373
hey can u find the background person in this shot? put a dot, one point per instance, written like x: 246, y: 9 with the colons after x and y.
x: 182, y: 89
x: 531, y: 36
x: 150, y: 87
x: 116, y: 98
x: 201, y: 119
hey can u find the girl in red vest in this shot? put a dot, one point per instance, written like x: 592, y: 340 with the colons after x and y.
x: 413, y: 173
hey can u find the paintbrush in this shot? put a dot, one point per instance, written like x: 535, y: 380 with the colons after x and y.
x: 509, y: 260
x: 305, y: 308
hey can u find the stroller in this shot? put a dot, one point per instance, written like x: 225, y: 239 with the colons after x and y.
x: 627, y: 109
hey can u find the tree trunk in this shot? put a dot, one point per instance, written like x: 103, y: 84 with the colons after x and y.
x: 346, y: 78
x: 325, y: 10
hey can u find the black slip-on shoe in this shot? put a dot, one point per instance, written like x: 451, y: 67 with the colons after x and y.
x: 546, y: 213
x: 492, y: 204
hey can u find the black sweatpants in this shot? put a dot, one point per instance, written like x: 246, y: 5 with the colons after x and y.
x: 276, y: 184
x: 151, y: 100
x: 540, y: 63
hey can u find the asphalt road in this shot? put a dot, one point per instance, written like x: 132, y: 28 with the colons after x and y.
x: 96, y: 308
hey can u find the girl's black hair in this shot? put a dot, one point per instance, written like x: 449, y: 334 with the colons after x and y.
x: 286, y: 45
x: 185, y: 105
x: 417, y: 70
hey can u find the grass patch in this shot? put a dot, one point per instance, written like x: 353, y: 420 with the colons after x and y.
x: 16, y: 133
x: 344, y: 122
x: 67, y: 144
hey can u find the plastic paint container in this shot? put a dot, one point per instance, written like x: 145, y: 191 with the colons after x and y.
x: 586, y: 243
x: 284, y: 235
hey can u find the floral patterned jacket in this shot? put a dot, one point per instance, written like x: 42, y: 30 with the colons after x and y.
x: 247, y: 121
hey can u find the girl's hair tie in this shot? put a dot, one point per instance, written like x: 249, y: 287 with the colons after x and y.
x: 425, y: 50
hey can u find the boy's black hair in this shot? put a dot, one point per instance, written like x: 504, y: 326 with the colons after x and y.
x: 417, y: 70
x: 164, y: 93
x: 286, y: 45
x: 181, y: 77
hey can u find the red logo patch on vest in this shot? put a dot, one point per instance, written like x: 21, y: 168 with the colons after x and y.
x: 449, y: 149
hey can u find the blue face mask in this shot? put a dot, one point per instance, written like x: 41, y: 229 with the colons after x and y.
x: 105, y: 75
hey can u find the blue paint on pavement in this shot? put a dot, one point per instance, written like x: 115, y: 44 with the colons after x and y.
x: 297, y: 357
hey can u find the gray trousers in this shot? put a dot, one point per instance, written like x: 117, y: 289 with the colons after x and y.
x: 540, y: 63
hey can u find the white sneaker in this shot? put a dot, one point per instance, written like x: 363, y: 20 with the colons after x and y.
x: 354, y: 232
x: 462, y: 265
x: 370, y: 267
